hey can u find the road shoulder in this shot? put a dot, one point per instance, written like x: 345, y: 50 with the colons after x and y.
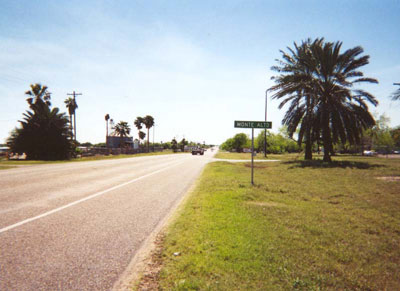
x: 143, y: 270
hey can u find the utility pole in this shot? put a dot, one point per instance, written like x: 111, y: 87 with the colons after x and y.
x: 74, y: 95
x: 265, y: 130
x: 154, y: 128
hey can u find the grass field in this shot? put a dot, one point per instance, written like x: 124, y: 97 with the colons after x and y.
x: 259, y: 156
x: 6, y: 164
x: 304, y: 225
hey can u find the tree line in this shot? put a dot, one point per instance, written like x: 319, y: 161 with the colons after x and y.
x: 47, y: 134
x: 123, y: 129
x: 379, y: 138
x: 276, y: 143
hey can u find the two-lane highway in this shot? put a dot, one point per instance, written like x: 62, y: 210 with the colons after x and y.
x: 77, y: 226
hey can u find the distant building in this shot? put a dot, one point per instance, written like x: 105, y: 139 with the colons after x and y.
x: 4, y: 150
x: 136, y: 144
x: 115, y: 142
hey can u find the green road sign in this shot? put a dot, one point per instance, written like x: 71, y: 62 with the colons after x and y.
x: 253, y: 124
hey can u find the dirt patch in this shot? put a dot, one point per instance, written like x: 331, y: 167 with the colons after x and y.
x: 265, y: 204
x: 389, y: 178
x: 257, y: 165
x: 391, y: 156
x: 152, y: 267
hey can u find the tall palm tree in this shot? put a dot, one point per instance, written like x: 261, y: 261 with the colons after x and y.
x: 122, y: 129
x: 71, y: 106
x: 148, y: 121
x: 396, y: 94
x: 295, y: 84
x: 343, y: 112
x: 38, y: 95
x: 138, y: 123
x: 107, y: 117
x: 339, y: 111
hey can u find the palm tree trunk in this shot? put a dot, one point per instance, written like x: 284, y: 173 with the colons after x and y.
x: 148, y: 139
x: 326, y: 139
x: 308, y: 153
x: 70, y: 127
x: 107, y: 133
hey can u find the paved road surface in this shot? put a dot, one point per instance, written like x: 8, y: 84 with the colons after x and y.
x: 77, y: 226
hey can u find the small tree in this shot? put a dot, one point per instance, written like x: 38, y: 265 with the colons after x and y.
x: 174, y: 145
x: 239, y: 142
x: 182, y: 144
x: 142, y: 135
x: 122, y: 129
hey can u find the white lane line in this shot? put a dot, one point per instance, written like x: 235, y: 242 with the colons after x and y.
x: 85, y: 199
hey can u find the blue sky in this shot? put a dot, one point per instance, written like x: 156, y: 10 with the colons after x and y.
x: 195, y: 66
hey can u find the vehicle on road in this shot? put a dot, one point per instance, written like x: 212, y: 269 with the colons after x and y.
x: 370, y: 153
x: 198, y: 151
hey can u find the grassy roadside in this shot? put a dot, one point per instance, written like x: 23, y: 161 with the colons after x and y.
x: 6, y: 164
x: 304, y: 225
x: 259, y: 156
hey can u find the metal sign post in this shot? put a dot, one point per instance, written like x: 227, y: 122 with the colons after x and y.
x: 252, y: 156
x: 252, y: 125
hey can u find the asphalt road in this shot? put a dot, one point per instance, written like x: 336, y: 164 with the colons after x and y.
x: 77, y: 226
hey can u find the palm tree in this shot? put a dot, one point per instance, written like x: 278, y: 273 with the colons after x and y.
x: 148, y: 121
x: 38, y: 95
x: 122, y: 129
x: 44, y: 132
x: 71, y: 106
x: 396, y: 94
x: 138, y: 123
x: 107, y: 117
x: 342, y: 110
x: 337, y: 111
x: 142, y: 135
x: 295, y: 84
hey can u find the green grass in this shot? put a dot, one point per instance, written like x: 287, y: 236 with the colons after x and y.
x: 304, y: 225
x: 6, y: 164
x: 259, y: 156
x: 2, y: 167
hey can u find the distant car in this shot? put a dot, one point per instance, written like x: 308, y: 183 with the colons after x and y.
x: 369, y: 153
x: 396, y: 152
x: 198, y: 151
